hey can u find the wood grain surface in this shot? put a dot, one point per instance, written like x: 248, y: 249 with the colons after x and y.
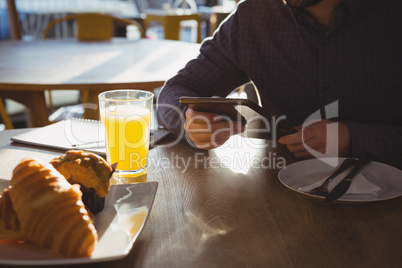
x: 208, y: 212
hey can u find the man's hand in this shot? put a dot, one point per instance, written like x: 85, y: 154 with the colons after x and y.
x: 315, y: 137
x: 210, y: 130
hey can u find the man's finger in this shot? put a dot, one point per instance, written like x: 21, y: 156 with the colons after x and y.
x: 290, y: 139
x: 216, y: 131
x: 201, y: 117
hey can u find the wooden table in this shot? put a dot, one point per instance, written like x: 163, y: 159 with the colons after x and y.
x: 209, y: 212
x: 29, y: 68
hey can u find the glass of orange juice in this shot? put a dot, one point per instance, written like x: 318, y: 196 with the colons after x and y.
x: 126, y: 115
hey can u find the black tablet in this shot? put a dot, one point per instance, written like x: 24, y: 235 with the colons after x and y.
x: 259, y: 123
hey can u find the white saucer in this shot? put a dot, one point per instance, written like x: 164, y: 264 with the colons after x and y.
x: 307, y: 172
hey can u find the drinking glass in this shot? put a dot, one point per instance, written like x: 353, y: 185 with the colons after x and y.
x: 126, y: 115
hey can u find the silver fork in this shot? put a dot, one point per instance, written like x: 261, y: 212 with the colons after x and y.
x: 322, y: 190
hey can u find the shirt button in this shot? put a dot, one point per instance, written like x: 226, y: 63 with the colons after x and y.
x: 325, y: 41
x: 325, y: 85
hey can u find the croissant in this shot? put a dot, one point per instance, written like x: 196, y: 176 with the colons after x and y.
x: 9, y: 224
x: 50, y: 211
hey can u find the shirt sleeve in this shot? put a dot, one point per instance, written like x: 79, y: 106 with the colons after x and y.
x: 215, y: 72
x: 383, y: 144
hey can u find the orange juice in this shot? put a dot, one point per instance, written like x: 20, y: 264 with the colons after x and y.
x: 127, y: 136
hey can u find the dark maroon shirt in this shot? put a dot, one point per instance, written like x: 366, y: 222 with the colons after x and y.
x: 299, y: 67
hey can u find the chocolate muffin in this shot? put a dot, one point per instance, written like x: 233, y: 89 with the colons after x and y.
x: 90, y: 171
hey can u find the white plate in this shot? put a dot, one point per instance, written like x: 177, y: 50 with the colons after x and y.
x: 126, y: 210
x: 304, y: 173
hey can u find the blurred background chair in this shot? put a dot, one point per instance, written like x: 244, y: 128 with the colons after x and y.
x: 215, y: 15
x: 4, y: 116
x: 34, y: 15
x: 247, y: 91
x: 15, y: 34
x: 174, y: 16
x: 13, y: 21
x: 94, y: 26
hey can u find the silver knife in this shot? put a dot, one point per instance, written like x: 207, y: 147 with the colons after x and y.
x: 342, y: 187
